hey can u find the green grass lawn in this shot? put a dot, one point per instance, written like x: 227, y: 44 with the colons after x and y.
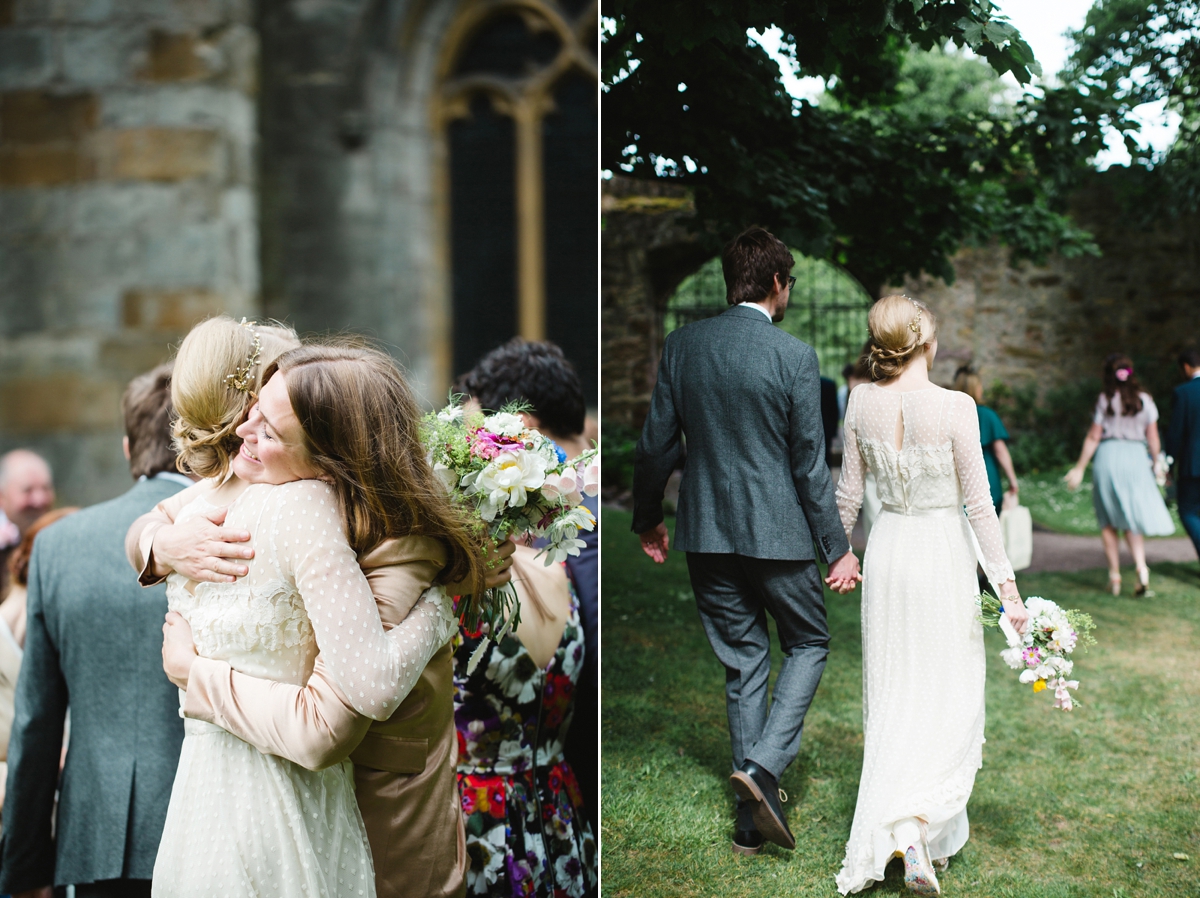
x: 1056, y: 508
x: 1092, y: 803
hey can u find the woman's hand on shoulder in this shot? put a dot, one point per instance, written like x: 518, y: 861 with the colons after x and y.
x: 203, y: 550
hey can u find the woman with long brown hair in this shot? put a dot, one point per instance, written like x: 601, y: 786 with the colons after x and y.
x: 1124, y: 440
x: 329, y: 466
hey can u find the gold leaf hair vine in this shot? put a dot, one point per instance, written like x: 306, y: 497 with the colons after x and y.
x: 240, y: 379
x: 915, y: 324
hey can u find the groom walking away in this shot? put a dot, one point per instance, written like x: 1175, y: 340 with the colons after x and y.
x: 756, y: 495
x: 95, y: 637
x: 1183, y: 444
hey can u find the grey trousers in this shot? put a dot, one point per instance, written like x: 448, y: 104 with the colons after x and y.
x: 734, y: 594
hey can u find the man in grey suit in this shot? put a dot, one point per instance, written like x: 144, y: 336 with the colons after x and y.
x: 94, y: 641
x: 755, y: 497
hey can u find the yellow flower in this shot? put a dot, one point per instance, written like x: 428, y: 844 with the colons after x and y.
x: 1039, y: 685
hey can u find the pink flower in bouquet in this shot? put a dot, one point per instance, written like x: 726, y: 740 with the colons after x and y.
x: 489, y: 445
x: 1032, y: 656
x: 591, y: 477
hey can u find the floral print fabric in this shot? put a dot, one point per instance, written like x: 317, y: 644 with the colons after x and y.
x: 527, y: 834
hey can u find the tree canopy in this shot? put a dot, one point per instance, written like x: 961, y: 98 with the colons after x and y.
x: 1131, y: 52
x: 877, y: 181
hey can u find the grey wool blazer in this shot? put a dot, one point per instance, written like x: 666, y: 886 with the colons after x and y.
x: 93, y: 641
x: 747, y: 398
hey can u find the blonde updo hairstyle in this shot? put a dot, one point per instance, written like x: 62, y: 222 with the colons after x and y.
x: 901, y: 329
x: 208, y: 408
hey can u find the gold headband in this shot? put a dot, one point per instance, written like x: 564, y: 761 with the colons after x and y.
x: 915, y: 324
x: 240, y: 379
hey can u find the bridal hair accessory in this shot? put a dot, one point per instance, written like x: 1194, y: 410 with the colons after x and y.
x: 1123, y: 374
x: 915, y: 324
x: 240, y: 379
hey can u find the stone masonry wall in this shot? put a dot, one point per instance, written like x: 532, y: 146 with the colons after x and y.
x: 646, y: 250
x: 1054, y: 323
x: 127, y: 209
x: 1017, y: 323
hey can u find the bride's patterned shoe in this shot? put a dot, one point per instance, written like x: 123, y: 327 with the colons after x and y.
x: 918, y: 872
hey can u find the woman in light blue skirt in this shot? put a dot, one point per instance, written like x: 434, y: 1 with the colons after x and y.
x: 1124, y: 439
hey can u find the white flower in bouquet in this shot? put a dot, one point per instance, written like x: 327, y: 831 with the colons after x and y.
x: 506, y: 481
x: 450, y: 414
x: 591, y: 477
x: 563, y: 534
x: 564, y: 483
x: 504, y: 424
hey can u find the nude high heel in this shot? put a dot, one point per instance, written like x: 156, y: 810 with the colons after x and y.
x: 1114, y: 583
x: 1143, y: 584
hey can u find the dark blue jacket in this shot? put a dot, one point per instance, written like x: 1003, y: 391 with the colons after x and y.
x: 1183, y: 436
x: 93, y: 641
x: 582, y: 746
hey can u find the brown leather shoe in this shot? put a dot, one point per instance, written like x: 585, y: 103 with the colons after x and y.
x: 747, y: 842
x: 755, y: 785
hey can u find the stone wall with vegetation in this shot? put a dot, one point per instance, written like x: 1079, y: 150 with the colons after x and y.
x: 1037, y: 333
x: 127, y: 211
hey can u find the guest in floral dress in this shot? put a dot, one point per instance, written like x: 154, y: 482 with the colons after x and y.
x: 527, y: 831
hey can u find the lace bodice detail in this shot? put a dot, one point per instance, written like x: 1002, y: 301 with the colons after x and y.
x: 939, y: 465
x: 306, y: 593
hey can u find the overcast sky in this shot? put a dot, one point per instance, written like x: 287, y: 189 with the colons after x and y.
x: 1043, y: 23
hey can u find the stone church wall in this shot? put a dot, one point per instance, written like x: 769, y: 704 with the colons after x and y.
x: 127, y: 211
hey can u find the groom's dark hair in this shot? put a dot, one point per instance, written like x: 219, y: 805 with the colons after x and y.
x: 750, y: 262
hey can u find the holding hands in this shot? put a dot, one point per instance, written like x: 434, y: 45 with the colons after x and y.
x: 844, y: 575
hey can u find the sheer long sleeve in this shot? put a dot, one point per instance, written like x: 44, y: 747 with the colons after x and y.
x: 375, y: 670
x: 963, y: 424
x: 314, y: 725
x: 850, y: 487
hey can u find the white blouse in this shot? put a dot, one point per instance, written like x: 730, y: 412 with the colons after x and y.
x: 1124, y: 427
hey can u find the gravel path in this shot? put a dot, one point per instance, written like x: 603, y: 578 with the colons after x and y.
x: 1063, y: 552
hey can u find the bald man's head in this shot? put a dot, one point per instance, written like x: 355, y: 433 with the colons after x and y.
x: 26, y: 487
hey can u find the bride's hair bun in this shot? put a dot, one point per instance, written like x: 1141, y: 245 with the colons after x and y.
x: 900, y: 329
x: 207, y: 409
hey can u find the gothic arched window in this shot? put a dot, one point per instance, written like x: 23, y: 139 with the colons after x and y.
x: 518, y: 111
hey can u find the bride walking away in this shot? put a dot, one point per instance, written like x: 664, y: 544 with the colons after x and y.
x: 1124, y: 492
x: 923, y: 659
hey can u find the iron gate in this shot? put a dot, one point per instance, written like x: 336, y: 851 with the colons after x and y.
x: 828, y: 308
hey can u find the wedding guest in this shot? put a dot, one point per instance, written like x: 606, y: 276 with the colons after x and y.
x: 93, y: 636
x: 12, y: 631
x: 26, y: 493
x: 1183, y: 444
x: 1124, y: 493
x: 992, y: 435
x: 829, y: 416
x: 539, y: 373
x: 526, y: 829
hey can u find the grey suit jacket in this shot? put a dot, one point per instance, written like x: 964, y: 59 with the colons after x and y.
x: 747, y: 397
x: 94, y: 641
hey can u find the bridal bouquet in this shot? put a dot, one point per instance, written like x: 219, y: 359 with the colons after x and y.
x: 513, y: 481
x: 1041, y: 654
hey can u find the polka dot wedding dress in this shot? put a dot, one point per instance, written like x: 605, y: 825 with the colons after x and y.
x: 241, y: 823
x: 923, y: 659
